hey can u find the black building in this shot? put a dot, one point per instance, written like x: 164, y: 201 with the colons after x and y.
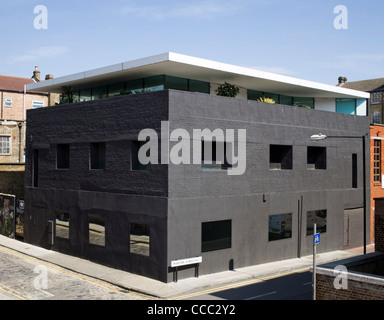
x: 87, y: 193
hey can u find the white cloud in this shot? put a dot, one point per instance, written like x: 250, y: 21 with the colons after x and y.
x: 46, y: 52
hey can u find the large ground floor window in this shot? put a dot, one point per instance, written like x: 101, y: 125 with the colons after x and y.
x: 216, y: 235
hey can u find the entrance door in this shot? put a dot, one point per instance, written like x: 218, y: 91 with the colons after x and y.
x: 353, y: 228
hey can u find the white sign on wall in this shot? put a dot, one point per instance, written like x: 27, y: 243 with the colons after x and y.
x: 184, y: 262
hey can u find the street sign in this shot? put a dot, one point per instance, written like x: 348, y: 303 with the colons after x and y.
x: 317, y: 238
x: 184, y: 262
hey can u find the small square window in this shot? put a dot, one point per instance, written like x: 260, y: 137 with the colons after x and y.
x: 216, y: 235
x: 280, y: 157
x: 5, y: 145
x: 375, y: 97
x: 62, y: 156
x: 320, y: 218
x: 316, y: 158
x: 214, y: 155
x: 8, y: 103
x: 280, y: 227
x: 37, y: 104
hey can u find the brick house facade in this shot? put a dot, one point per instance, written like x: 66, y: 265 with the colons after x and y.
x: 14, y: 102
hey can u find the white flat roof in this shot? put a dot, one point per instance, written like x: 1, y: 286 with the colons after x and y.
x: 179, y: 65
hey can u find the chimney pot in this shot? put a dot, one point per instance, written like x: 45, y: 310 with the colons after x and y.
x: 49, y: 76
x: 36, y: 74
x: 342, y: 80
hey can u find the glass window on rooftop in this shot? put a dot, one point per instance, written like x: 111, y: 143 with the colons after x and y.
x: 347, y: 106
x: 176, y: 83
x: 134, y: 86
x: 254, y: 95
x: 304, y: 101
x: 99, y: 92
x: 199, y: 86
x: 286, y: 100
x: 155, y: 83
x: 115, y: 89
x: 85, y: 95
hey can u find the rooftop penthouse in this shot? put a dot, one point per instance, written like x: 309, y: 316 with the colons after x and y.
x: 181, y: 72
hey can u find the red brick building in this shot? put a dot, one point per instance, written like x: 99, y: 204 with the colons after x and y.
x: 377, y: 168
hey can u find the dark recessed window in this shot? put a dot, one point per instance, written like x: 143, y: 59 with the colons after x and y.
x: 280, y: 226
x: 140, y: 239
x: 316, y: 158
x: 354, y: 171
x: 216, y: 235
x: 62, y: 224
x: 97, y: 155
x: 62, y: 156
x: 35, y: 168
x: 320, y: 218
x: 96, y: 230
x: 136, y: 165
x: 214, y: 155
x: 280, y: 157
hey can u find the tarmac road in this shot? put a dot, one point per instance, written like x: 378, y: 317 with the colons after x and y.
x: 294, y: 286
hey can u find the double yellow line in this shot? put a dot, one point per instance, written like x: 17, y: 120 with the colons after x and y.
x: 13, y: 292
x: 65, y: 272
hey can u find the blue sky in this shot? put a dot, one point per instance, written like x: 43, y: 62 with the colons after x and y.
x: 290, y: 37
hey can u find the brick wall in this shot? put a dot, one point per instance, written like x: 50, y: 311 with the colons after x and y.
x: 17, y: 144
x: 376, y: 132
x: 379, y: 225
x: 12, y: 182
x: 360, y: 287
x: 15, y: 112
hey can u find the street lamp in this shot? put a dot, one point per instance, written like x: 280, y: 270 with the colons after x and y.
x: 319, y: 137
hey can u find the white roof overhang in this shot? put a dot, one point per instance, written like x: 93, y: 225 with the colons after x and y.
x: 178, y: 65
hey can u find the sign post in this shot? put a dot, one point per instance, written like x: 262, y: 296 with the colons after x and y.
x: 316, y: 241
x: 184, y: 262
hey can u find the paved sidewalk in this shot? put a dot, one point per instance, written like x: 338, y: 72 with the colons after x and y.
x: 162, y: 290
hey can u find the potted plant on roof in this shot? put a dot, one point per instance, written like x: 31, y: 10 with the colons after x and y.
x: 266, y: 100
x: 227, y: 90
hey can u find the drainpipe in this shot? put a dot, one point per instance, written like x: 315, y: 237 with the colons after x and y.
x: 2, y: 103
x: 20, y: 125
x: 25, y: 91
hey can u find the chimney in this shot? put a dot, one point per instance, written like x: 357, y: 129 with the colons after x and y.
x: 342, y: 80
x: 36, y: 74
x: 49, y: 76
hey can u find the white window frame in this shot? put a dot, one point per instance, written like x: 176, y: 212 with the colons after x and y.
x: 7, y: 101
x: 376, y: 97
x: 9, y: 143
x: 39, y: 103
